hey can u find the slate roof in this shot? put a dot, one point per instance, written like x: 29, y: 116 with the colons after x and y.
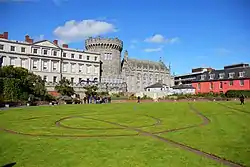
x: 183, y: 87
x: 226, y: 72
x: 156, y: 85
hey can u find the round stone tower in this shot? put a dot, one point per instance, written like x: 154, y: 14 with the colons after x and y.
x: 110, y: 50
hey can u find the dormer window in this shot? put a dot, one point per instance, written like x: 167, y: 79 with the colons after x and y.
x: 231, y: 75
x: 203, y: 77
x: 241, y: 74
x: 221, y: 75
x: 211, y: 76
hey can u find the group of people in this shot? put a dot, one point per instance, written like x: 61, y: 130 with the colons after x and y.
x: 96, y: 99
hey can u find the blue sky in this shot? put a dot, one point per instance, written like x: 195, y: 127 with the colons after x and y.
x: 185, y: 33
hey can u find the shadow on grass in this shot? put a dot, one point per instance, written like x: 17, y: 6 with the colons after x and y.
x: 10, y: 165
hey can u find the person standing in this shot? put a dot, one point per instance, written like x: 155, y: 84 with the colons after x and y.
x: 138, y: 99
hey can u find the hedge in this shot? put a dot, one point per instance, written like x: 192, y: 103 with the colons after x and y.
x: 237, y: 93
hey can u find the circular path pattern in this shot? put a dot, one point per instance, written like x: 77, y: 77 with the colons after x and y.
x: 137, y: 129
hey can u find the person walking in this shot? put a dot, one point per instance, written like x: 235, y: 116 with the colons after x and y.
x: 242, y: 99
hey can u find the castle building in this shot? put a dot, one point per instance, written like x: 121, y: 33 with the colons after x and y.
x: 131, y: 75
x: 100, y: 63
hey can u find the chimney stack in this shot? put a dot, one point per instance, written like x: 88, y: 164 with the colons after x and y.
x: 4, y: 35
x: 27, y: 39
x: 55, y: 42
x: 65, y: 45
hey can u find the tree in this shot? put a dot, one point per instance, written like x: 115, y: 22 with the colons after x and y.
x: 64, y: 88
x: 17, y: 83
x: 91, y: 90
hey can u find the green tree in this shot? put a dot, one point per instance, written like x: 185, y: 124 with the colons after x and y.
x: 17, y: 83
x: 64, y: 88
x: 91, y: 90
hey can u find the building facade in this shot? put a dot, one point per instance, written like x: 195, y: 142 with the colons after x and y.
x: 187, y: 79
x: 100, y: 63
x: 131, y: 75
x: 233, y: 77
x: 51, y: 61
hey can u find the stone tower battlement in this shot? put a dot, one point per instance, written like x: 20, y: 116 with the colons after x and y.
x: 110, y: 54
x: 93, y: 44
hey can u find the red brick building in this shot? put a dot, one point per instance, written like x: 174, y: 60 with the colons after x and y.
x: 233, y: 77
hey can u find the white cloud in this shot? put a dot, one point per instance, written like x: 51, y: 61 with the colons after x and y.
x: 222, y: 51
x: 73, y: 31
x: 158, y: 38
x: 153, y: 49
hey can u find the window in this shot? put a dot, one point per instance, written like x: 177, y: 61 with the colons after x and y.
x: 148, y: 89
x: 88, y: 69
x: 65, y: 66
x: 221, y: 85
x: 45, y: 65
x: 45, y: 52
x: 12, y: 61
x: 80, y: 56
x: 73, y: 68
x: 87, y: 57
x: 211, y: 76
x: 35, y: 51
x: 1, y: 47
x: 221, y: 75
x: 110, y: 56
x: 72, y: 80
x: 241, y: 74
x: 95, y: 58
x: 23, y: 49
x: 80, y: 79
x: 241, y: 82
x: 199, y: 86
x: 211, y: 85
x: 80, y: 68
x: 64, y: 54
x: 231, y: 75
x: 72, y: 56
x: 23, y: 63
x: 96, y: 69
x: 231, y: 83
x: 55, y: 79
x: 55, y: 53
x: 54, y: 66
x: 12, y: 48
x: 35, y: 64
x: 45, y: 78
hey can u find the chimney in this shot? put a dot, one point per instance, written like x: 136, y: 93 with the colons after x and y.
x: 27, y: 39
x: 65, y: 45
x: 5, y: 35
x: 55, y: 42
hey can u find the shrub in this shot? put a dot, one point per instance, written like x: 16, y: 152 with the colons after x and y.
x: 237, y: 93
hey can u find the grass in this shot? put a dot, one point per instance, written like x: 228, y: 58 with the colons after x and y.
x: 226, y: 136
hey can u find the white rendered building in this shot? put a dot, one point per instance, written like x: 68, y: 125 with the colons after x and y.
x: 50, y: 61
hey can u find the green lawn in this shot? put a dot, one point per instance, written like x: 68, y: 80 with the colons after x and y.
x: 227, y: 135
